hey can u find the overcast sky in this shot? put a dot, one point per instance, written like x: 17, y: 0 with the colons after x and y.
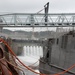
x: 33, y: 6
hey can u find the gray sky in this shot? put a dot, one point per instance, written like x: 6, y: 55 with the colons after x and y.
x: 33, y: 6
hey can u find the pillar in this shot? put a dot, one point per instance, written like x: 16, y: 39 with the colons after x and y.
x: 20, y: 50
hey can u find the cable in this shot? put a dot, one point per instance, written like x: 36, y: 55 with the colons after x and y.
x: 34, y: 63
x: 40, y: 10
x: 10, y: 50
x: 9, y: 72
x: 14, y: 65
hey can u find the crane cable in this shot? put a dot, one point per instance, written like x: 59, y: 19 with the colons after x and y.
x: 40, y: 10
x: 1, y: 40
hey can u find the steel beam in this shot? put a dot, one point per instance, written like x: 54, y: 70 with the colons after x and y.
x: 37, y: 20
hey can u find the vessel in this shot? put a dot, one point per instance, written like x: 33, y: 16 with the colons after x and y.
x: 59, y: 55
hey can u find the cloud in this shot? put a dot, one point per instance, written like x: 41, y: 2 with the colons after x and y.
x: 33, y: 6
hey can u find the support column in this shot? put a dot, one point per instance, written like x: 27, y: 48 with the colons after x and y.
x: 1, y: 29
x: 20, y: 50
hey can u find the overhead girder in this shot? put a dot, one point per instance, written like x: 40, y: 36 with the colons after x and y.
x: 37, y: 20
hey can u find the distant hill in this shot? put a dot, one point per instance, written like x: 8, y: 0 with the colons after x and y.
x: 42, y: 34
x: 6, y: 31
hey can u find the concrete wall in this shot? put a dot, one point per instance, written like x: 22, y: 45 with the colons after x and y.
x: 17, y: 46
x: 64, y: 57
x: 62, y: 53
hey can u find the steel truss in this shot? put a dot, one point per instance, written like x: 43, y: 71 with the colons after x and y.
x: 37, y: 20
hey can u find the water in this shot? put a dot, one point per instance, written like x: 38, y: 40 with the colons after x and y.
x: 35, y: 51
x: 30, y: 55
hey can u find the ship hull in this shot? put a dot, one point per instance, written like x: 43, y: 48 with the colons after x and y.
x: 46, y: 68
